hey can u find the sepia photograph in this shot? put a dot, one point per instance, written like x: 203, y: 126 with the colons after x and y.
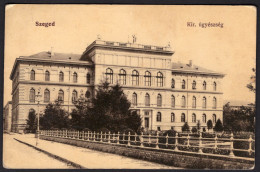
x: 129, y: 87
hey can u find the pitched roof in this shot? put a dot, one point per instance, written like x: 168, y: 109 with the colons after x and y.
x: 56, y: 56
x: 181, y: 67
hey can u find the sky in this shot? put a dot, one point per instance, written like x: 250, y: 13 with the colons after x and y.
x: 230, y: 50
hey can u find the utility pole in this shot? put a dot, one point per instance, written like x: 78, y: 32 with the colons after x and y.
x: 38, y: 116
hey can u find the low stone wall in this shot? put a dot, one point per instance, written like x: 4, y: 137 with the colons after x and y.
x: 167, y: 157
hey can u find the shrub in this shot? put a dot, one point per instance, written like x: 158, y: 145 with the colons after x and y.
x: 194, y: 130
x: 162, y: 140
x: 219, y: 126
x: 185, y: 127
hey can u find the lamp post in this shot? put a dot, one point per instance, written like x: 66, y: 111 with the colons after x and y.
x: 38, y: 116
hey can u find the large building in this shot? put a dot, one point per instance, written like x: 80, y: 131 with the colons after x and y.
x: 164, y: 93
x: 7, y: 117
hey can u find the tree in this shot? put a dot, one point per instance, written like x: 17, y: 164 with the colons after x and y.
x: 31, y: 121
x: 185, y: 127
x: 209, y: 125
x: 54, y: 117
x: 218, y: 126
x: 110, y: 109
x: 251, y: 85
x: 198, y: 125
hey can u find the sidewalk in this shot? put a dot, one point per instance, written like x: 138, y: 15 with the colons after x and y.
x: 88, y: 158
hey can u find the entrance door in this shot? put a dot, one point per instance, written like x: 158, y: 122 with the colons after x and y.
x: 146, y: 122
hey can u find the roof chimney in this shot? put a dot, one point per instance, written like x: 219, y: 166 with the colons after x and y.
x: 52, y: 52
x: 190, y: 63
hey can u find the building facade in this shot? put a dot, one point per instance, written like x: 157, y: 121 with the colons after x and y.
x: 7, y: 116
x: 165, y: 94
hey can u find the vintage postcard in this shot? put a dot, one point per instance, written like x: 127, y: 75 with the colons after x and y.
x: 129, y: 87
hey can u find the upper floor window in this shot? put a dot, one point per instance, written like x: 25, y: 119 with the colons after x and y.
x: 173, y: 83
x: 46, y: 96
x: 32, y: 95
x: 61, y: 76
x: 134, y: 99
x: 159, y: 117
x: 193, y: 102
x: 135, y: 78
x: 183, y: 84
x: 88, y: 78
x: 109, y: 75
x: 87, y: 94
x: 214, y: 103
x: 204, y: 102
x: 61, y: 96
x: 159, y: 79
x: 204, y: 118
x: 74, y: 96
x: 147, y: 99
x: 214, y: 118
x: 122, y: 77
x: 172, y: 117
x: 173, y: 101
x: 193, y: 117
x: 182, y: 117
x: 159, y: 100
x: 194, y: 85
x: 183, y: 102
x: 32, y: 76
x: 75, y: 77
x: 147, y: 79
x: 214, y: 86
x: 47, y: 76
x: 204, y: 85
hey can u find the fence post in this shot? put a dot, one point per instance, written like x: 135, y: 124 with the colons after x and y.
x: 231, y: 145
x: 200, y: 143
x: 128, y: 144
x: 101, y: 136
x: 157, y: 140
x: 167, y: 141
x: 78, y: 134
x: 114, y: 135
x: 176, y: 142
x: 250, y: 145
x: 149, y: 138
x: 216, y: 141
x: 109, y: 141
x: 88, y: 136
x: 94, y: 136
x: 83, y: 135
x: 118, y: 137
x: 188, y: 140
x: 135, y: 138
x: 142, y: 139
x: 123, y: 138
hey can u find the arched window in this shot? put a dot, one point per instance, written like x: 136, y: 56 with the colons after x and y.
x: 75, y: 77
x: 214, y: 118
x: 183, y: 102
x: 135, y: 78
x: 173, y: 83
x: 134, y: 99
x: 46, y: 96
x: 88, y: 78
x: 32, y: 76
x: 61, y: 96
x: 173, y: 101
x: 159, y: 79
x: 214, y: 103
x: 47, y: 75
x: 159, y: 100
x: 87, y: 94
x: 182, y: 117
x: 214, y: 86
x: 122, y: 77
x: 147, y: 99
x: 74, y: 95
x: 204, y: 85
x: 172, y: 117
x: 193, y: 117
x: 61, y: 76
x: 193, y: 102
x: 147, y: 79
x: 194, y: 85
x: 204, y: 102
x: 204, y: 118
x: 183, y: 84
x: 32, y: 95
x: 159, y: 117
x: 109, y: 75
